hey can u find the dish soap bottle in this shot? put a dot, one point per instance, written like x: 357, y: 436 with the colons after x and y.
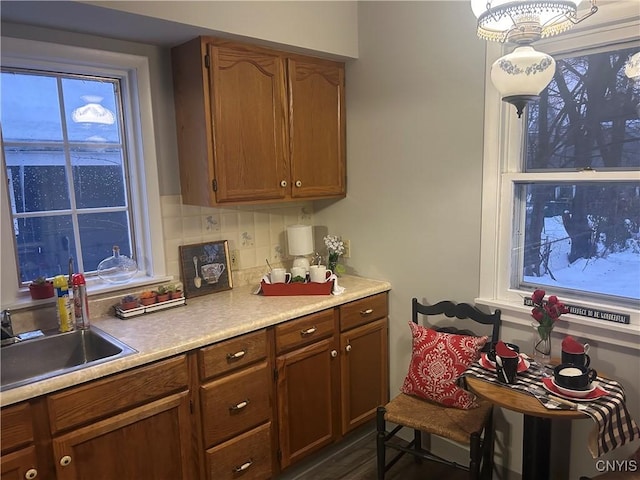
x: 117, y: 268
x: 64, y: 309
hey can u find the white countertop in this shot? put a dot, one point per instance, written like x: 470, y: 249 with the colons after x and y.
x: 203, y: 321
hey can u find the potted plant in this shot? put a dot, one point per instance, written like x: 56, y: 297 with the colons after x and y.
x: 41, y: 288
x: 128, y: 302
x: 175, y: 291
x: 163, y: 293
x: 148, y: 297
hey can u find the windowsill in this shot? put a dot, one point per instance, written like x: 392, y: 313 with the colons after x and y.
x: 602, y: 331
x: 95, y: 288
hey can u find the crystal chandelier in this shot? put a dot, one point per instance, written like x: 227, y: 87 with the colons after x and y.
x: 521, y: 75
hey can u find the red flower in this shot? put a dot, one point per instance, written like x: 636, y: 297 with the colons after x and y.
x: 546, y: 313
x: 537, y: 296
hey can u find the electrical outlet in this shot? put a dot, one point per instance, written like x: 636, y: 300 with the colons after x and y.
x: 235, y: 259
x: 347, y: 248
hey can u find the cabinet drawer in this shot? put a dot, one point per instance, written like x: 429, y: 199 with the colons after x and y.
x: 232, y: 354
x: 113, y: 394
x: 245, y: 456
x: 305, y: 330
x: 17, y: 426
x: 363, y: 311
x: 235, y: 403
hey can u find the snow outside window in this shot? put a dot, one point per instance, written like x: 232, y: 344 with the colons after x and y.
x: 561, y: 186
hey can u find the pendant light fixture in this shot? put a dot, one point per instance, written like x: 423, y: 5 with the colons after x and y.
x: 521, y: 75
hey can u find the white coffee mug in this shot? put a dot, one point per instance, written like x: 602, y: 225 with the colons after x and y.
x: 298, y: 272
x: 319, y: 273
x: 280, y: 275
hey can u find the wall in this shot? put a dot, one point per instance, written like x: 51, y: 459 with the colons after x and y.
x: 301, y: 24
x: 414, y: 158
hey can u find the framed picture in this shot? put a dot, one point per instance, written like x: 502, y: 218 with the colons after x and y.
x: 205, y: 268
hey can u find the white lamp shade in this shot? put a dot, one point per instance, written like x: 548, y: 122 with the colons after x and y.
x: 496, y: 18
x: 300, y: 239
x: 524, y: 72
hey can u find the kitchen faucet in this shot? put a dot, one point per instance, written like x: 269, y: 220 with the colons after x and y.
x: 7, y: 329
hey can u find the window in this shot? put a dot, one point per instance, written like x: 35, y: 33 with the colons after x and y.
x: 80, y: 165
x: 581, y: 236
x: 561, y: 189
x: 66, y: 169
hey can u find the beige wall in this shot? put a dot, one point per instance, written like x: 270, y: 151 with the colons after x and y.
x: 329, y: 27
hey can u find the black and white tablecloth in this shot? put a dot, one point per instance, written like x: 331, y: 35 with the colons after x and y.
x: 614, y: 426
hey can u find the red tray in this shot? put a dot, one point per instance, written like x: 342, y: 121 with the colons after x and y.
x: 283, y: 289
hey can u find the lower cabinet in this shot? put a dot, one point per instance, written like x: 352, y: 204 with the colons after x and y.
x: 19, y: 459
x: 151, y: 441
x: 236, y: 407
x: 244, y: 408
x: 136, y: 424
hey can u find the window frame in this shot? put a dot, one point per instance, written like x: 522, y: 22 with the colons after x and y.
x: 503, y: 141
x: 133, y: 70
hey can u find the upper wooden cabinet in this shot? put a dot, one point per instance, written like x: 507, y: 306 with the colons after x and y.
x: 257, y: 125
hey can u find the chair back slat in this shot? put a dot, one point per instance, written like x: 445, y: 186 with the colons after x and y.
x: 459, y: 310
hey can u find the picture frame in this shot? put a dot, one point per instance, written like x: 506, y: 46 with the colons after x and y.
x: 204, y: 268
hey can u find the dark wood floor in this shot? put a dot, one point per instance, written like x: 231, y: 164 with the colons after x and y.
x: 357, y: 461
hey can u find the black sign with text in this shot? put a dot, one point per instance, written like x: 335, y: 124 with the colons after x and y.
x: 591, y: 312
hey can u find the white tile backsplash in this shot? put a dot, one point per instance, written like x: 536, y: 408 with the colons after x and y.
x: 257, y: 232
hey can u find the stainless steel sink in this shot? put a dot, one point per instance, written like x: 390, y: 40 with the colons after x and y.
x: 33, y: 360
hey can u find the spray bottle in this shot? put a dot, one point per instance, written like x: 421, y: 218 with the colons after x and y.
x: 63, y: 304
x: 80, y: 302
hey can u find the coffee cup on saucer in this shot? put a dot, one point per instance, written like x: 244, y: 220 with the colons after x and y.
x: 574, y: 377
x: 575, y: 352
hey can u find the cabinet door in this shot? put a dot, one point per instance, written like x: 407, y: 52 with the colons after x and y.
x: 317, y: 128
x: 364, y: 373
x: 151, y: 441
x: 249, y: 123
x: 307, y: 401
x: 19, y: 465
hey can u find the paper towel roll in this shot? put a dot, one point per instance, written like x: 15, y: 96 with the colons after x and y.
x: 300, y: 239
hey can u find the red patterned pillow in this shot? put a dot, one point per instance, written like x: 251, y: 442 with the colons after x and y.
x: 437, y: 360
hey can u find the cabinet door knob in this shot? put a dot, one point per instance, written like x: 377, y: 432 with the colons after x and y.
x: 31, y: 474
x: 334, y: 353
x: 236, y: 356
x: 66, y: 460
x: 298, y: 183
x: 308, y: 331
x: 283, y: 183
x: 239, y: 406
x: 243, y: 467
x: 366, y: 312
x: 348, y: 348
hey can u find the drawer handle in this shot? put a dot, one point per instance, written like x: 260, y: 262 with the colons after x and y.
x: 243, y: 467
x: 236, y: 356
x: 31, y: 474
x: 366, y: 312
x: 239, y: 406
x: 308, y: 331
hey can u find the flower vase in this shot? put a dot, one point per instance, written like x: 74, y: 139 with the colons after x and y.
x: 541, y: 343
x: 332, y: 262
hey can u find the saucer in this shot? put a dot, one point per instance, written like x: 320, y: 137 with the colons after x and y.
x: 523, y: 363
x: 569, y: 392
x: 550, y: 386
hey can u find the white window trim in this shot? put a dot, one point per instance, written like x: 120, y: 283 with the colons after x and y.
x: 143, y: 168
x: 502, y: 141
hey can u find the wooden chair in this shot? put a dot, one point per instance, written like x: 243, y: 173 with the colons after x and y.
x: 471, y: 427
